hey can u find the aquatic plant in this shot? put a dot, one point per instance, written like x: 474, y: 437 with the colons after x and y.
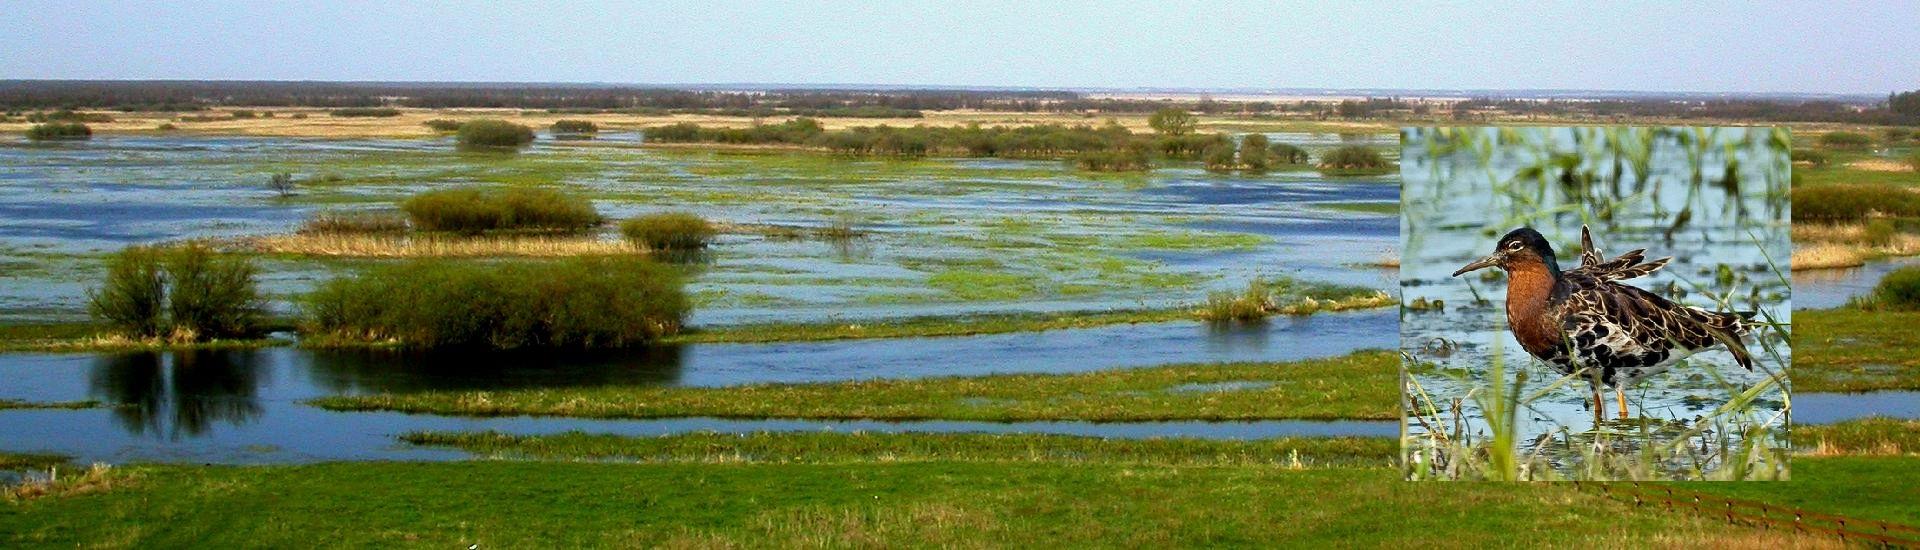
x: 489, y: 132
x: 374, y: 112
x: 187, y: 294
x: 605, y: 302
x: 474, y: 210
x: 1253, y: 304
x: 668, y: 231
x: 59, y: 130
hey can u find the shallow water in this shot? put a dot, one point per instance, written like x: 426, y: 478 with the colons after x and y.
x: 1071, y: 239
x: 1831, y: 288
x: 245, y: 405
x: 1829, y: 408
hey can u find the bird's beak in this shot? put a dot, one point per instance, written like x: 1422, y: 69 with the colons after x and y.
x: 1483, y: 263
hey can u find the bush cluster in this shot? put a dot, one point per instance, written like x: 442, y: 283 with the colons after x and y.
x: 443, y: 125
x: 1357, y: 159
x: 1899, y: 289
x: 575, y: 127
x: 494, y: 133
x: 59, y: 130
x: 475, y: 210
x: 578, y: 303
x: 187, y: 294
x: 668, y: 231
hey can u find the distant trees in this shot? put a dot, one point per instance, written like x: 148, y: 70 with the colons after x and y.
x: 1905, y: 103
x: 1354, y: 160
x: 1172, y: 121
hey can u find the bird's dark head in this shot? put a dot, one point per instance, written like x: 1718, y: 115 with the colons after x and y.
x: 1520, y: 248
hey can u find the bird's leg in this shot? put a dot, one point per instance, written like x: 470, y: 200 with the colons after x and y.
x: 1620, y: 393
x: 1599, y: 406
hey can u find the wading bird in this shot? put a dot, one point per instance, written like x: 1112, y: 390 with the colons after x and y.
x: 1584, y: 320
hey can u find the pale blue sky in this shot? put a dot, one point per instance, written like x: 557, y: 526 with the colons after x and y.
x: 1768, y: 47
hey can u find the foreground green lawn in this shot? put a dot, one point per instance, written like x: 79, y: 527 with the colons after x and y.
x: 546, y: 504
x: 1852, y: 350
x: 1363, y: 385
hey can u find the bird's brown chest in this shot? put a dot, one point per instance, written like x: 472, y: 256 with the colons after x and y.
x: 1531, y: 314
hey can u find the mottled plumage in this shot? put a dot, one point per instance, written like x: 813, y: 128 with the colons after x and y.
x: 1585, y: 317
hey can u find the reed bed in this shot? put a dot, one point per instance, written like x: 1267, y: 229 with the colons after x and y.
x: 432, y: 245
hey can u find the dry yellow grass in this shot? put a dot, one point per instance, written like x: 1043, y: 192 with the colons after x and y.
x: 433, y: 246
x: 1828, y: 246
x: 1880, y: 165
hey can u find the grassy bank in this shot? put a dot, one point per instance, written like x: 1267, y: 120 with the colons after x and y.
x: 76, y: 337
x: 843, y: 448
x: 1851, y: 350
x: 1867, y: 436
x: 1358, y: 386
x: 516, y: 504
x: 69, y: 405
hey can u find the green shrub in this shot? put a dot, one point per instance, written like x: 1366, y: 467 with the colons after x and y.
x: 576, y: 303
x: 380, y: 112
x: 1809, y: 156
x: 1879, y: 232
x: 210, y: 296
x: 477, y: 210
x: 443, y: 125
x: 59, y: 130
x: 1850, y: 202
x: 1219, y: 158
x: 1131, y: 158
x: 1899, y: 289
x: 1897, y: 135
x: 187, y: 293
x: 1287, y: 153
x: 132, y: 301
x: 575, y: 127
x: 668, y: 231
x: 494, y: 133
x: 1354, y: 159
x: 1846, y: 140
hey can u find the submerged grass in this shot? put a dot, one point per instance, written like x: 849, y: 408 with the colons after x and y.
x: 1357, y: 386
x: 857, y: 447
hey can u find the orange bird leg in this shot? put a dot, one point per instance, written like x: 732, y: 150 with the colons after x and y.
x: 1621, y: 394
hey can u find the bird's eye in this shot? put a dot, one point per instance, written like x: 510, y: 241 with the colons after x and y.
x: 1513, y: 246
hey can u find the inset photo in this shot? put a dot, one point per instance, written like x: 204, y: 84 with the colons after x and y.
x: 1584, y: 303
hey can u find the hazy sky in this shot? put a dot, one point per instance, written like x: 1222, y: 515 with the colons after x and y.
x: 1767, y: 47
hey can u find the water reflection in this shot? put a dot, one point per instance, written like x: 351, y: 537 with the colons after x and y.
x: 180, y: 393
x: 391, y: 371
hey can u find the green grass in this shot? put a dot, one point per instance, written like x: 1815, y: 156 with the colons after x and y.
x: 915, y: 327
x: 89, y: 337
x: 1876, y: 488
x: 23, y: 461
x: 858, y: 447
x: 1357, y: 386
x: 1852, y: 350
x: 1363, y: 207
x: 1866, y: 436
x: 497, y: 504
x: 70, y: 405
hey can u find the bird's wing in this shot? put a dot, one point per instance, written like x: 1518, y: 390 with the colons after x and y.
x: 1627, y: 266
x: 1589, y: 254
x: 1608, y: 319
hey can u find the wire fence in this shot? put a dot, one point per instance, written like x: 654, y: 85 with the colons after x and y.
x: 1759, y: 514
